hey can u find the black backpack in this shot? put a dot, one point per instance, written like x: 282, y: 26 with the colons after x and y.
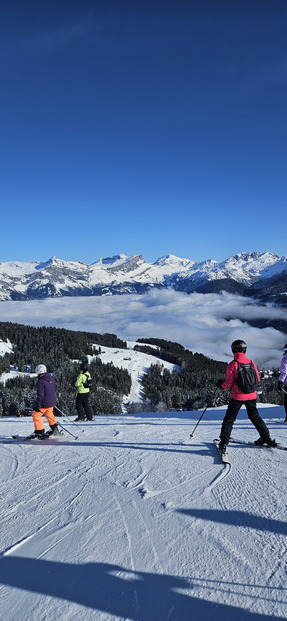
x: 88, y: 382
x: 247, y: 379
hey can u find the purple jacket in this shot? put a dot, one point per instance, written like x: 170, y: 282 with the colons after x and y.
x: 46, y: 391
x: 283, y: 370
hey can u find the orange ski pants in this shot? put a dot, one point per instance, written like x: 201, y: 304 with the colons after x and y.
x: 49, y: 414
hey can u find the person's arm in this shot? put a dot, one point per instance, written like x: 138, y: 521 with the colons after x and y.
x: 231, y: 374
x: 79, y: 380
x: 257, y: 372
x: 283, y: 370
x: 40, y: 395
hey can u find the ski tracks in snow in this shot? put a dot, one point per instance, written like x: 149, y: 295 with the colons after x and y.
x: 226, y: 471
x: 140, y: 466
x: 15, y: 547
x: 146, y: 503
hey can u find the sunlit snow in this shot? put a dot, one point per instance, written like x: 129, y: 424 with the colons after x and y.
x: 137, y: 521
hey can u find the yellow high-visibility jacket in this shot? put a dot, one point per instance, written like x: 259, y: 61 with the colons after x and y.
x: 80, y: 382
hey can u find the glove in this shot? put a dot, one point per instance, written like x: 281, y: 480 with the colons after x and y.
x: 219, y: 383
x: 36, y: 409
x: 280, y: 386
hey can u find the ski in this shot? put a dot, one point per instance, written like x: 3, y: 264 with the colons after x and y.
x: 31, y: 438
x: 224, y: 456
x: 249, y: 443
x: 19, y: 439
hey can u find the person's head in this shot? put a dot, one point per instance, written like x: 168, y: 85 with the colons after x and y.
x: 84, y: 365
x: 40, y: 368
x: 238, y: 347
x: 285, y: 349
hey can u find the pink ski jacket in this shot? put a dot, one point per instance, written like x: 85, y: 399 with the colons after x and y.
x: 231, y: 375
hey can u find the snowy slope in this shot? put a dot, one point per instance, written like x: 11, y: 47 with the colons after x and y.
x: 136, y: 521
x: 136, y: 363
x: 5, y: 347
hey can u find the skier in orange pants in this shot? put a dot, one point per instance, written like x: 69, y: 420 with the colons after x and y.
x: 44, y: 404
x: 49, y: 414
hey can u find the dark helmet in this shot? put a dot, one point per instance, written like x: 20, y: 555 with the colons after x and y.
x: 238, y: 346
x: 285, y: 347
x: 84, y: 364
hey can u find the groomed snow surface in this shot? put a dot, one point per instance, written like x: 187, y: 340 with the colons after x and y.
x: 137, y: 521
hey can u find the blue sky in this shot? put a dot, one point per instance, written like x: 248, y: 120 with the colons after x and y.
x: 142, y: 127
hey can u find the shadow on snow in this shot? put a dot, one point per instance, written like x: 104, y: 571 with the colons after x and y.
x: 137, y: 596
x: 237, y: 518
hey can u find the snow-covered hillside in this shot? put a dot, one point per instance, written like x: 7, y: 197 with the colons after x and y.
x: 5, y: 347
x: 136, y: 363
x: 123, y: 274
x: 136, y: 521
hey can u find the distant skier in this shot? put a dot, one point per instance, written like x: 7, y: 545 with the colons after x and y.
x: 282, y: 382
x: 238, y: 397
x: 83, y: 384
x: 45, y: 402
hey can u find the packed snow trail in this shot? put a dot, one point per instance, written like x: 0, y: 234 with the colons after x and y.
x: 133, y: 522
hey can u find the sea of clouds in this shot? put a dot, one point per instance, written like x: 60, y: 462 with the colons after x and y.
x: 204, y: 323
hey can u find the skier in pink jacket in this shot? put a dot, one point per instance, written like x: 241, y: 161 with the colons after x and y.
x: 239, y: 398
x: 282, y: 382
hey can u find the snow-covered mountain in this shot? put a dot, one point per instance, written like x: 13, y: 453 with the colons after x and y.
x: 259, y: 273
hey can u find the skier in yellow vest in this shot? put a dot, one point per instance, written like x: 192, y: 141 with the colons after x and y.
x: 83, y: 384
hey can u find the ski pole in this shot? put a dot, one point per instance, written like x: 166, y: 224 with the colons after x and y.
x: 207, y: 406
x: 70, y: 420
x: 71, y: 434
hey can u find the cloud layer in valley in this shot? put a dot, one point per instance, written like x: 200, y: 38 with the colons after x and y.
x: 205, y: 323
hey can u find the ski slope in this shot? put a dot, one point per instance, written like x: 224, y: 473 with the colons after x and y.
x: 137, y: 521
x: 136, y: 363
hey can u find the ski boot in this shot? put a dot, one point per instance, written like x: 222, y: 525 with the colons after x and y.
x: 268, y: 441
x: 37, y: 435
x: 54, y: 430
x: 222, y: 447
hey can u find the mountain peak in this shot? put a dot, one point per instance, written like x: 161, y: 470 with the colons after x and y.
x: 116, y: 259
x: 122, y: 274
x: 43, y: 265
x: 171, y: 259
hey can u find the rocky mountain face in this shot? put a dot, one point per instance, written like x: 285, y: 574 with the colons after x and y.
x: 261, y: 275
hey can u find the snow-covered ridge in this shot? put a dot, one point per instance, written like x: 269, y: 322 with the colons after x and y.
x: 123, y: 274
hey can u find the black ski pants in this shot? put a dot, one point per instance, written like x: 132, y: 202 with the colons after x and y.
x: 83, y: 406
x: 252, y: 412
